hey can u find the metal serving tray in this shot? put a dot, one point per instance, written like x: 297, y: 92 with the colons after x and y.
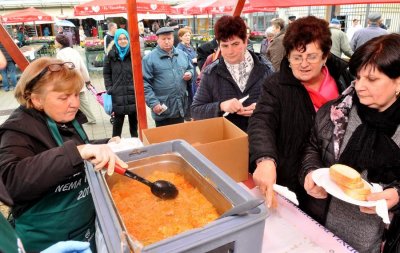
x: 238, y: 234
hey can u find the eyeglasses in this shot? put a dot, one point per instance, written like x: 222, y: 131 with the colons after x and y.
x: 52, y: 68
x: 122, y: 38
x: 311, y: 58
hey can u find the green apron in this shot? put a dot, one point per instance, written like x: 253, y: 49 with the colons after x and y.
x: 65, y: 213
x: 9, y: 243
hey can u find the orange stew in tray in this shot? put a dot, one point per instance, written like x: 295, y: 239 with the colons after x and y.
x: 150, y: 219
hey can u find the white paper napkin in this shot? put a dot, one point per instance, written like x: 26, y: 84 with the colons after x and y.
x: 381, y: 205
x: 285, y: 192
x: 125, y: 144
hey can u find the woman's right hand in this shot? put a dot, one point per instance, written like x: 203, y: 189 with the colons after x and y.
x: 232, y: 105
x: 265, y: 177
x: 312, y: 189
x: 101, y: 155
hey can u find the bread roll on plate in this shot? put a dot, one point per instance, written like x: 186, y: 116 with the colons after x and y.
x: 350, y: 181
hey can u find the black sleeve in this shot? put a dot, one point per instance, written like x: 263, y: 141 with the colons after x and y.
x: 264, y: 123
x: 107, y: 75
x: 28, y: 174
x: 204, y: 51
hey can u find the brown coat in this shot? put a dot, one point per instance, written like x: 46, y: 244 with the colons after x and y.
x: 276, y: 50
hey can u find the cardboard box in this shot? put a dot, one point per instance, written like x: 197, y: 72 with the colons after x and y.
x: 218, y: 139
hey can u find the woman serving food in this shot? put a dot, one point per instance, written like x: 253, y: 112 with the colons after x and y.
x: 42, y: 149
x: 361, y: 129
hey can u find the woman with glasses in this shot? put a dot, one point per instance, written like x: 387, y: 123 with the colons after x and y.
x: 309, y: 76
x: 42, y: 151
x: 118, y: 80
x: 361, y: 129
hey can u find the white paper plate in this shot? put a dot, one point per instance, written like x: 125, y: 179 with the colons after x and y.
x: 321, y: 178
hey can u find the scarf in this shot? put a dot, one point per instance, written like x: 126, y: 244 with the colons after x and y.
x: 327, y: 91
x: 241, y: 71
x: 371, y: 147
x: 122, y: 51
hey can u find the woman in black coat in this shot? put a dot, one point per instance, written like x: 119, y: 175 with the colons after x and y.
x: 118, y: 80
x: 280, y: 125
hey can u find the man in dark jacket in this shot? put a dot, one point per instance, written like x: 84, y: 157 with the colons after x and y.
x: 8, y: 71
x: 238, y: 73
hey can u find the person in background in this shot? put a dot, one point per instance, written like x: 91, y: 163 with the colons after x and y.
x: 166, y: 71
x: 118, y: 80
x: 68, y: 54
x: 365, y: 34
x: 291, y: 19
x: 361, y: 129
x: 21, y: 36
x: 155, y: 26
x: 42, y: 151
x: 381, y: 24
x: 68, y: 33
x: 204, y: 51
x: 185, y: 35
x: 340, y: 43
x: 141, y: 38
x: 112, y: 27
x: 60, y: 30
x: 269, y: 35
x: 94, y: 32
x: 46, y: 31
x: 280, y: 125
x: 236, y: 74
x: 8, y: 73
x: 249, y: 42
x: 82, y: 35
x: 353, y: 28
x: 174, y: 25
x: 276, y: 50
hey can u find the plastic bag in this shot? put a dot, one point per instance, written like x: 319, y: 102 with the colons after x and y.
x: 107, y: 103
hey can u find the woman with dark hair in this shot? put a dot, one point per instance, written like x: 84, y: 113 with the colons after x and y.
x: 118, y: 80
x: 361, y: 129
x: 309, y: 77
x: 236, y: 74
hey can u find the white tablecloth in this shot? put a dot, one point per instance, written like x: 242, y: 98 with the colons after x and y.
x: 288, y: 229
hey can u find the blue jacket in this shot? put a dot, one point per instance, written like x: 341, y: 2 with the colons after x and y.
x: 191, y: 54
x: 163, y: 82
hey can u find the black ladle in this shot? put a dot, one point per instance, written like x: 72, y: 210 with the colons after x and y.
x: 160, y: 188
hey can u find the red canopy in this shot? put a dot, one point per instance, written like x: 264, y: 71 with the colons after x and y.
x: 293, y: 3
x: 217, y: 7
x: 26, y: 15
x: 100, y: 7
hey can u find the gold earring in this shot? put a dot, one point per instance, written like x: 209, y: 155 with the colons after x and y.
x: 397, y: 93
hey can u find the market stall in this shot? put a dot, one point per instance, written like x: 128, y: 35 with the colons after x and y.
x: 94, y: 52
